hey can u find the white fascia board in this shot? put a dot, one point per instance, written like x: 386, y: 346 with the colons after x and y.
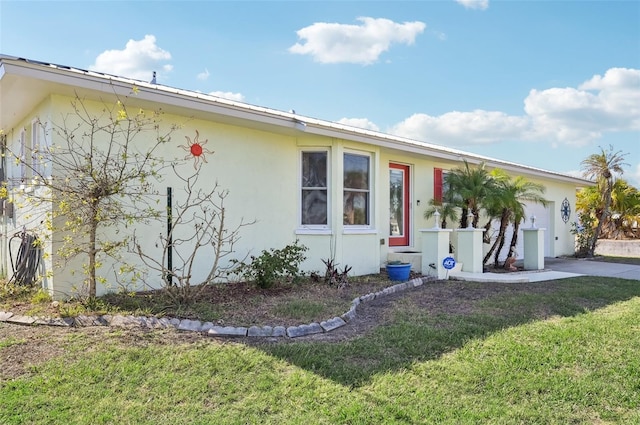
x: 232, y: 109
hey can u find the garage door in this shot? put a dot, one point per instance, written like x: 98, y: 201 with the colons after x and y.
x: 543, y: 220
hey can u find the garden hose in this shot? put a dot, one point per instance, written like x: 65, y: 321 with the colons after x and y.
x: 28, y: 259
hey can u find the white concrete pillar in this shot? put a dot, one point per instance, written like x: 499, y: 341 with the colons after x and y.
x: 533, y: 248
x: 469, y: 251
x: 435, y: 248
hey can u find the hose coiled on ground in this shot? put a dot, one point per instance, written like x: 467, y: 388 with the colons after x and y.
x: 28, y: 258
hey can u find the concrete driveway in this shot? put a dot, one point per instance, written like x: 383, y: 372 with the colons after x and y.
x: 592, y: 268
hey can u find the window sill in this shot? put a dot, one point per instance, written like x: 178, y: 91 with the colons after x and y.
x: 359, y: 231
x: 311, y: 231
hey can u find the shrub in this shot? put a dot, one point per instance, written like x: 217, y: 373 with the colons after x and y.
x: 274, y: 264
x: 583, y: 232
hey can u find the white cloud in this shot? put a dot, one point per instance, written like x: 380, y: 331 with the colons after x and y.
x: 560, y: 116
x: 203, y: 75
x: 228, y: 95
x: 360, y: 44
x: 137, y: 60
x: 474, y: 4
x: 463, y: 128
x: 580, y: 115
x: 359, y: 123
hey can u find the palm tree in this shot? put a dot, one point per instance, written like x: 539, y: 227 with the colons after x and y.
x: 602, y: 168
x: 625, y: 204
x: 469, y: 188
x: 446, y: 208
x: 509, y: 199
x: 524, y: 191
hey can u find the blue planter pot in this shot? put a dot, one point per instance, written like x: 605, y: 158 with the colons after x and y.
x: 399, y: 272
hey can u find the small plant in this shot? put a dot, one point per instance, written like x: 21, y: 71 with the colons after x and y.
x: 13, y: 291
x: 40, y: 297
x: 583, y: 232
x: 72, y: 310
x: 333, y: 275
x: 274, y: 264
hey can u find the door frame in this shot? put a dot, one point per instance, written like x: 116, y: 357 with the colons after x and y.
x: 405, y: 239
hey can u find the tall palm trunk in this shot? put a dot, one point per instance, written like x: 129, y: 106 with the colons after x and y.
x: 601, y: 219
x: 504, y: 221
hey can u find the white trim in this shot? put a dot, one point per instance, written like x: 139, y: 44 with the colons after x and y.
x: 92, y: 80
x: 312, y: 231
x: 354, y: 230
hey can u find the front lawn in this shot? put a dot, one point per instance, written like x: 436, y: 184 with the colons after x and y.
x: 564, y: 354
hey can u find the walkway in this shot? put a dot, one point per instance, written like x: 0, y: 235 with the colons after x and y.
x: 556, y: 268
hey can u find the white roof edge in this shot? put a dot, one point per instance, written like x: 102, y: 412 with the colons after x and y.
x: 288, y: 119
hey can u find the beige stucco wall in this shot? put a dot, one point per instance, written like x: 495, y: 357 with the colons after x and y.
x: 261, y: 170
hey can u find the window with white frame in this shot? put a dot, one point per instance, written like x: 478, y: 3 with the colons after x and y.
x: 357, y: 190
x: 314, y: 184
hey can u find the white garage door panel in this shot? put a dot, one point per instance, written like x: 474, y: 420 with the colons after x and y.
x: 542, y: 215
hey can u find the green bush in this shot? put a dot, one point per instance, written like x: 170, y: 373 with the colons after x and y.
x: 274, y: 264
x: 583, y: 231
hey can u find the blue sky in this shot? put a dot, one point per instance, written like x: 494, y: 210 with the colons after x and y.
x: 540, y: 83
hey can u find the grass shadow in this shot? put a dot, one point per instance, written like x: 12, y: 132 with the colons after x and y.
x: 438, y: 318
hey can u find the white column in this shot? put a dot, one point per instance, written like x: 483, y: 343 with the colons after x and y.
x: 469, y: 251
x: 533, y: 248
x: 435, y: 248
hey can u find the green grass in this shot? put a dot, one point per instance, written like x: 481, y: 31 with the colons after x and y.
x: 302, y: 310
x: 568, y: 356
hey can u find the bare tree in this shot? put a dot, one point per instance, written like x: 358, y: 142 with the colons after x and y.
x: 98, y: 172
x: 198, y: 228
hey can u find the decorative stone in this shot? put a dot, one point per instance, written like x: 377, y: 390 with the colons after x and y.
x: 349, y: 315
x: 63, y: 322
x: 206, y: 326
x: 279, y: 331
x: 119, y: 321
x: 21, y: 320
x: 42, y: 321
x: 152, y: 322
x: 174, y: 322
x: 164, y: 322
x: 260, y: 331
x: 332, y: 324
x: 303, y: 330
x: 227, y: 331
x: 84, y: 321
x: 4, y: 316
x: 369, y: 297
x: 190, y: 325
x: 356, y: 301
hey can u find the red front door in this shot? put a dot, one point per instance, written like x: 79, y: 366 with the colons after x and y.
x: 398, y: 205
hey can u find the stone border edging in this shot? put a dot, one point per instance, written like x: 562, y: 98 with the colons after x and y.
x: 209, y: 328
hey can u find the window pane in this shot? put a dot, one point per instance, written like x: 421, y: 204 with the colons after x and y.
x: 314, y: 169
x: 396, y: 200
x: 356, y: 172
x: 314, y: 188
x: 314, y: 206
x: 356, y: 208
